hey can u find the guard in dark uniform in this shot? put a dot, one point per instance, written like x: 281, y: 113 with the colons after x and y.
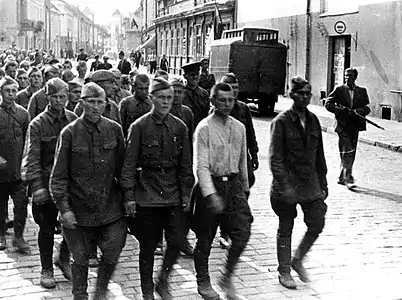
x: 85, y: 187
x: 37, y: 164
x: 207, y: 80
x: 159, y: 197
x: 196, y: 98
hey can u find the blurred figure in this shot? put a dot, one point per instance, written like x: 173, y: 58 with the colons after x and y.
x: 124, y: 66
x: 126, y: 83
x: 105, y: 65
x: 95, y: 64
x: 67, y: 65
x: 35, y: 83
x: 22, y: 79
x: 82, y: 56
x: 11, y: 68
x: 162, y: 73
x: 207, y: 80
x: 74, y: 92
x: 82, y: 71
x: 24, y: 65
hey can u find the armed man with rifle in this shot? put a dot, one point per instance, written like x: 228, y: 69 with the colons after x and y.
x: 349, y: 103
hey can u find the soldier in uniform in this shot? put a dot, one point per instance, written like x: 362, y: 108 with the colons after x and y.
x: 22, y: 79
x: 137, y: 105
x: 14, y: 120
x: 196, y: 98
x: 119, y: 93
x: 299, y: 177
x: 105, y: 65
x: 35, y: 80
x: 241, y: 112
x: 222, y: 190
x: 85, y: 187
x: 37, y: 164
x: 38, y: 101
x: 74, y: 94
x: 160, y: 197
x: 11, y: 68
x: 207, y: 80
x: 107, y: 81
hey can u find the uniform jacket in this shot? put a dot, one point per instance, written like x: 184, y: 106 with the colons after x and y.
x: 103, y: 66
x: 297, y: 157
x: 124, y: 66
x: 24, y: 96
x: 131, y: 109
x: 37, y: 103
x: 86, y: 172
x: 41, y: 139
x: 340, y: 97
x: 198, y: 101
x: 160, y: 147
x: 14, y: 122
x: 184, y: 113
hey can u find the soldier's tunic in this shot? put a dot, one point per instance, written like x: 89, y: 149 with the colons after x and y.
x: 37, y: 165
x: 37, y: 103
x: 111, y: 111
x: 24, y: 96
x: 198, y: 101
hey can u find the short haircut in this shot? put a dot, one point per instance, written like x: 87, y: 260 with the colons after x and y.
x: 161, y: 73
x: 354, y: 70
x: 24, y: 63
x: 125, y: 79
x: 10, y: 63
x: 67, y: 62
x: 229, y: 78
x: 220, y: 87
x: 81, y: 63
x: 141, y: 78
x: 33, y: 70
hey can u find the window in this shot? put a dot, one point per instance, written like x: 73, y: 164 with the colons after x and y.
x: 191, y: 40
x: 166, y: 43
x: 177, y: 41
x: 172, y: 42
x: 184, y: 45
x: 198, y: 41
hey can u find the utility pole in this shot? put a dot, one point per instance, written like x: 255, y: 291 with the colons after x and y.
x: 308, y: 40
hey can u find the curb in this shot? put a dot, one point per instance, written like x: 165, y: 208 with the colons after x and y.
x: 331, y: 130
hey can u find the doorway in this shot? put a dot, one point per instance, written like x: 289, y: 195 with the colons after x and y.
x: 339, y: 59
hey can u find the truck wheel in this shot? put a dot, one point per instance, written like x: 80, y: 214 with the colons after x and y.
x: 266, y: 106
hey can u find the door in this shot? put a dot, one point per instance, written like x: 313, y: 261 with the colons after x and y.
x: 339, y: 59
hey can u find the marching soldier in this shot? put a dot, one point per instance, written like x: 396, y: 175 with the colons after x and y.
x: 299, y: 177
x: 37, y: 164
x: 106, y: 80
x: 74, y: 94
x: 222, y: 190
x: 137, y: 105
x: 22, y: 79
x: 35, y: 80
x: 85, y: 187
x: 196, y: 98
x: 14, y: 120
x: 159, y: 197
x: 38, y: 101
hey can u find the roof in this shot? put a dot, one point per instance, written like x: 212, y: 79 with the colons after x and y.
x: 117, y: 13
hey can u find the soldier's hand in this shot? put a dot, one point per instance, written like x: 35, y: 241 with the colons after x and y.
x: 185, y: 204
x: 216, y: 203
x: 68, y: 220
x: 255, y: 163
x: 130, y: 208
x: 40, y: 196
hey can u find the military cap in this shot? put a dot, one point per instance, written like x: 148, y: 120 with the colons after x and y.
x: 298, y: 83
x: 20, y: 72
x: 73, y: 85
x: 67, y: 75
x: 105, y: 57
x: 121, y: 53
x: 176, y: 82
x: 191, y: 67
x: 55, y: 85
x: 50, y: 68
x: 159, y: 84
x: 92, y: 90
x: 6, y: 80
x: 97, y: 56
x: 102, y: 75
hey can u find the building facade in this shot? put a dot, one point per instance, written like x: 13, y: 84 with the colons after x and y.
x: 183, y: 30
x: 365, y: 36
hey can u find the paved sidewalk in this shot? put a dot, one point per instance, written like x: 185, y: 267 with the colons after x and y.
x: 390, y: 138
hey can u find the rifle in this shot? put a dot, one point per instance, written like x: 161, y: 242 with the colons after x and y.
x: 362, y: 117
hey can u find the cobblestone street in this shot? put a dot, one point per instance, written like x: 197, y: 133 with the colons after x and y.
x: 358, y: 256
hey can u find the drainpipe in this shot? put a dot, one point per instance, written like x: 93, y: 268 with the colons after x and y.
x: 308, y: 40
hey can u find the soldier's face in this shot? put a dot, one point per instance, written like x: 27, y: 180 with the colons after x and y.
x: 109, y: 86
x: 224, y: 102
x: 235, y: 88
x: 94, y: 108
x: 178, y: 95
x: 141, y: 90
x: 162, y: 101
x: 9, y: 93
x: 36, y: 79
x: 192, y: 78
x: 350, y: 78
x: 58, y: 101
x: 23, y: 81
x: 74, y: 94
x: 12, y: 72
x: 301, y: 98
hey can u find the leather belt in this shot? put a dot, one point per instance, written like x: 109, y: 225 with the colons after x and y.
x: 225, y: 178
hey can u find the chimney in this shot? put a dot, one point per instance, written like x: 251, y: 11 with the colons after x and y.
x: 323, y: 6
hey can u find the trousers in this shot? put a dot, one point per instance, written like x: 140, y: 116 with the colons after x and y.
x: 347, y: 149
x: 17, y: 191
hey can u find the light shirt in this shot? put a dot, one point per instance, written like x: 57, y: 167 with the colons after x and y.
x: 219, y: 150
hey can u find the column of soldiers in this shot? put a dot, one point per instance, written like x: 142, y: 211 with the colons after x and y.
x: 158, y: 160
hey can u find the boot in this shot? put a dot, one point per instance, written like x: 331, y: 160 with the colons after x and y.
x: 80, y: 281
x: 283, y: 249
x: 206, y: 291
x: 21, y: 245
x: 162, y: 287
x: 47, y: 279
x: 227, y: 287
x: 65, y: 268
x: 105, y: 272
x: 187, y: 250
x: 305, y: 245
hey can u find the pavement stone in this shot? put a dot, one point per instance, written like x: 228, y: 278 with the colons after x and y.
x: 358, y: 255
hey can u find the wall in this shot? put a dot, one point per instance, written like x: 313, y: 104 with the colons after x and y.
x: 8, y: 22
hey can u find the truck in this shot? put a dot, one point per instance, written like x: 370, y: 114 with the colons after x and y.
x: 257, y: 59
